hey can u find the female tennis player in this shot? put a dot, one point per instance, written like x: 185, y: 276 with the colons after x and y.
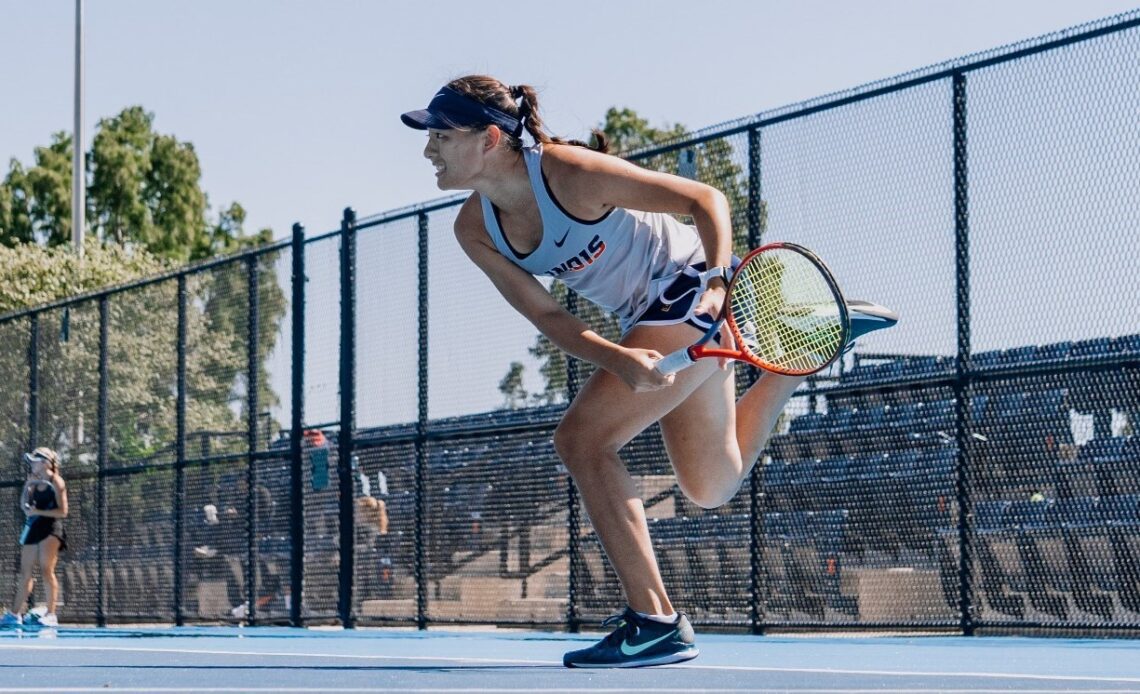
x: 44, y: 503
x: 605, y: 228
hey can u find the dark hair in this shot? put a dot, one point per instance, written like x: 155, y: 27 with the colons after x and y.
x: 520, y: 101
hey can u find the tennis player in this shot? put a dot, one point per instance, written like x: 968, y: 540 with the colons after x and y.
x: 44, y: 503
x: 605, y: 228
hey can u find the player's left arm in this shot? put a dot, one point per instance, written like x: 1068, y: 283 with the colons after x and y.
x: 61, y: 498
x: 591, y: 183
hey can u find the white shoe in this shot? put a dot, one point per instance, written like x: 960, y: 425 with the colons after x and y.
x: 866, y: 316
x: 49, y: 620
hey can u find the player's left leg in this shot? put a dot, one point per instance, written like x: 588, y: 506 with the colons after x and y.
x: 48, y: 557
x: 713, y: 441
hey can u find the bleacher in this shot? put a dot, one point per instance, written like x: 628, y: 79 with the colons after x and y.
x: 1055, y: 522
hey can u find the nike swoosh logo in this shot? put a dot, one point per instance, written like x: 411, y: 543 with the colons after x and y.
x: 629, y: 649
x: 561, y: 241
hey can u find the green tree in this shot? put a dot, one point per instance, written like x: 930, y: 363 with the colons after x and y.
x: 144, y: 187
x: 141, y: 348
x: 631, y: 136
x: 143, y: 191
x: 511, y: 386
x: 627, y: 132
x: 146, y: 205
x: 27, y: 200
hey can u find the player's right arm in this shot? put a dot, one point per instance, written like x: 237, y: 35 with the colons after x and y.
x: 527, y: 296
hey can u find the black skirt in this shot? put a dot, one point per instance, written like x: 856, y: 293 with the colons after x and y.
x: 39, y: 528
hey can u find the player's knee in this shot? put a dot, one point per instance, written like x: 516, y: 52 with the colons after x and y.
x: 709, y: 492
x: 575, y: 446
x: 564, y: 444
x: 715, y: 498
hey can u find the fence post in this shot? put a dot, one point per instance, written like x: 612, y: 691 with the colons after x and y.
x: 757, y: 581
x: 296, y: 433
x: 180, y: 455
x: 33, y: 380
x: 421, y: 422
x: 253, y: 576
x: 962, y: 363
x: 347, y: 413
x: 573, y: 504
x: 101, y: 471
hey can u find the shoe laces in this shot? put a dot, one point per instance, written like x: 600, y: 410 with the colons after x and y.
x: 623, y: 626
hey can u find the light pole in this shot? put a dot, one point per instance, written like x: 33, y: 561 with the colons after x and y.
x: 78, y: 173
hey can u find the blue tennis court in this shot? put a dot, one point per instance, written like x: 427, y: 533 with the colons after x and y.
x: 227, y: 659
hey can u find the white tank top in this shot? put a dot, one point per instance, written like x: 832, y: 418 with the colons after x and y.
x: 621, y: 262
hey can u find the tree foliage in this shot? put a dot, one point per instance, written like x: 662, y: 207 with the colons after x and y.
x: 143, y: 191
x: 511, y: 386
x: 142, y: 349
x: 147, y: 214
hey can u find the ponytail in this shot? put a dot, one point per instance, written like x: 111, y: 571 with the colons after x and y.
x: 520, y: 101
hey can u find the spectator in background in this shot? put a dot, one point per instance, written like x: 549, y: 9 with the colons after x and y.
x: 222, y: 534
x: 372, y: 540
x: 372, y: 516
x: 44, y: 503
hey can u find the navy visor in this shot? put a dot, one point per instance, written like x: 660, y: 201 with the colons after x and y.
x: 449, y: 109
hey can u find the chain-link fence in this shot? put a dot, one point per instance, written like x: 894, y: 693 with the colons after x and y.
x: 355, y: 427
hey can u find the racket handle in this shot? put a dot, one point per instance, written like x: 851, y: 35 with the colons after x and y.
x: 675, y: 362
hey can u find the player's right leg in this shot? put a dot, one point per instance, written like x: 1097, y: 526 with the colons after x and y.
x: 28, y: 557
x: 602, y: 419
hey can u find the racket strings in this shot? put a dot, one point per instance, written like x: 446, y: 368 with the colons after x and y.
x: 785, y: 312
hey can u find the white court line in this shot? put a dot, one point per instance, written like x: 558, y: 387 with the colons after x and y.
x: 915, y: 673
x: 499, y: 690
x: 276, y: 654
x: 733, y: 668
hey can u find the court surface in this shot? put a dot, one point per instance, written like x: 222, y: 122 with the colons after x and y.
x: 232, y: 659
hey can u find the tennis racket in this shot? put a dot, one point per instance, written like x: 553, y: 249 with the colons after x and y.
x: 784, y: 310
x: 26, y: 501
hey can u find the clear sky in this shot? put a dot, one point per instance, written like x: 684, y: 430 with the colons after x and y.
x: 292, y: 105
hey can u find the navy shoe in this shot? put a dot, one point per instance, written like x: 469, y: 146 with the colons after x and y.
x: 865, y: 317
x: 637, y: 642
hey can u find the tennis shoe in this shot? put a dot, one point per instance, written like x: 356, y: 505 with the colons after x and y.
x: 865, y: 317
x: 11, y: 620
x: 637, y: 642
x: 49, y: 620
x: 31, y: 619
